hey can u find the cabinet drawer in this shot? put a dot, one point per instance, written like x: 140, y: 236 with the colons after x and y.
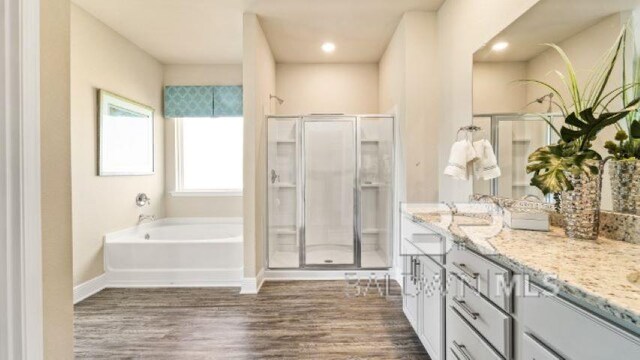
x: 425, y: 240
x: 533, y: 349
x: 487, y: 277
x: 463, y: 342
x: 572, y: 332
x: 410, y: 227
x: 492, y: 323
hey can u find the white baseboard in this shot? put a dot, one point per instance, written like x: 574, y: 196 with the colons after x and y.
x: 88, y: 288
x: 211, y: 278
x: 175, y: 278
x: 252, y: 285
x: 157, y: 278
x: 322, y: 274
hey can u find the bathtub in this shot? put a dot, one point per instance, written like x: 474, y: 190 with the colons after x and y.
x: 176, y: 252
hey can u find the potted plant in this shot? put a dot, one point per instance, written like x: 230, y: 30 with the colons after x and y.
x: 624, y: 168
x: 572, y: 167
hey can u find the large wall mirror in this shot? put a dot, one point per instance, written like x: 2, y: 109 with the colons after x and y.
x: 125, y: 136
x: 515, y: 115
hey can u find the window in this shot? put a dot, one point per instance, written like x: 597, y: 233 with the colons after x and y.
x: 209, y: 156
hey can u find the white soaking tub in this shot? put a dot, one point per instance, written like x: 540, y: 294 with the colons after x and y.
x: 176, y: 252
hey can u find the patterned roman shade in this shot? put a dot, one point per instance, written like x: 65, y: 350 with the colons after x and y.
x: 202, y: 101
x: 227, y: 101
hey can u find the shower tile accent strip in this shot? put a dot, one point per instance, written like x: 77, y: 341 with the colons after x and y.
x: 614, y: 226
x: 595, y: 274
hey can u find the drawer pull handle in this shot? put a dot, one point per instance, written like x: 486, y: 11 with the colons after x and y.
x: 411, y: 268
x: 417, y: 267
x: 463, y: 305
x: 466, y: 270
x: 462, y: 350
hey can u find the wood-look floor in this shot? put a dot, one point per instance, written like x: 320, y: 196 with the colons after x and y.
x: 287, y: 320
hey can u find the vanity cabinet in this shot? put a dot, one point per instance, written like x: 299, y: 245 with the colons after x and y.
x: 423, y: 302
x: 432, y: 306
x: 485, y: 276
x: 410, y: 294
x: 463, y: 342
x: 483, y: 316
x: 479, y: 321
x: 534, y: 349
x: 423, y: 291
x: 475, y: 317
x: 558, y: 329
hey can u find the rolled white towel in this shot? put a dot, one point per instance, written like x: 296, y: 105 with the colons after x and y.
x: 462, y: 153
x: 485, y: 167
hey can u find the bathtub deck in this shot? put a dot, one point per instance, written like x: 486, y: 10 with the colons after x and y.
x: 287, y: 320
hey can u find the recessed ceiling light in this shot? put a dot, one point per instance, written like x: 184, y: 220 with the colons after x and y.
x: 499, y: 46
x: 328, y: 47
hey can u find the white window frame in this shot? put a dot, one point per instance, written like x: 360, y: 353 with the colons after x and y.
x: 21, y: 304
x: 179, y: 171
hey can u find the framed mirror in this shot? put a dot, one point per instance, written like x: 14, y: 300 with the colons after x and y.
x: 125, y: 136
x: 515, y: 115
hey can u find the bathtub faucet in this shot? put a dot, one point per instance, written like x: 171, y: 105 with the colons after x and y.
x: 142, y: 218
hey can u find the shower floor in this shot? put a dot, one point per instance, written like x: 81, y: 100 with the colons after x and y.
x: 337, y: 255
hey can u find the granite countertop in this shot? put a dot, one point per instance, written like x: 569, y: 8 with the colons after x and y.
x: 602, y: 275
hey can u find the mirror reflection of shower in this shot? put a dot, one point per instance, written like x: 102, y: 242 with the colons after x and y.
x: 278, y: 99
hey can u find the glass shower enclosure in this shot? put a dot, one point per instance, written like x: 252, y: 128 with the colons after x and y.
x: 514, y: 137
x: 330, y: 192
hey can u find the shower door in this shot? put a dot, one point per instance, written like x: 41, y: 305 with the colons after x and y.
x: 329, y: 176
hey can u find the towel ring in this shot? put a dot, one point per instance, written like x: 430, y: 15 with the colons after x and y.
x: 470, y: 129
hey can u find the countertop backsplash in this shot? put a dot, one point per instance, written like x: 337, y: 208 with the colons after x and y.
x: 613, y: 226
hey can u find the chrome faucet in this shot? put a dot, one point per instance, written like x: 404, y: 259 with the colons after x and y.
x: 531, y: 196
x: 491, y: 199
x: 142, y: 218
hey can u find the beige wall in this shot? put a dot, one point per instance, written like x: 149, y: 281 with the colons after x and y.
x: 585, y: 50
x: 105, y: 204
x: 495, y: 89
x: 422, y: 98
x: 259, y: 80
x: 409, y: 86
x: 463, y: 27
x: 216, y: 206
x: 327, y: 88
x: 56, y: 180
x: 202, y: 75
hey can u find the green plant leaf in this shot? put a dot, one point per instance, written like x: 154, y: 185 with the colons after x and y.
x: 585, y: 127
x: 572, y: 83
x: 634, y: 129
x: 549, y: 164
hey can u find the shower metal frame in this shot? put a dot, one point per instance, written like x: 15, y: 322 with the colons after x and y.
x: 300, y: 191
x: 494, y: 132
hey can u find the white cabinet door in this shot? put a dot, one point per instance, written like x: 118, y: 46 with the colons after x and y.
x: 533, y: 349
x: 572, y: 332
x: 432, y: 308
x: 410, y: 291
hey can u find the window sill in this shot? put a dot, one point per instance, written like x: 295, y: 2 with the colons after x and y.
x: 222, y: 193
